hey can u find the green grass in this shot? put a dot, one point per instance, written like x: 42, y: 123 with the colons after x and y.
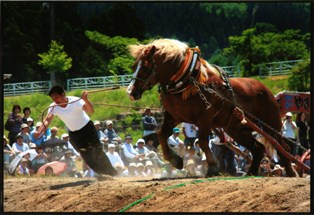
x: 38, y: 102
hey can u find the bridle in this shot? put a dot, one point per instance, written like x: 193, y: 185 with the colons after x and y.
x: 152, y: 74
x: 178, y: 82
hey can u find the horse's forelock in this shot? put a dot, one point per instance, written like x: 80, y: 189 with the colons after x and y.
x: 172, y: 49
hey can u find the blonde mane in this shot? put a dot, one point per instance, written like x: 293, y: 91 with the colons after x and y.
x: 172, y: 49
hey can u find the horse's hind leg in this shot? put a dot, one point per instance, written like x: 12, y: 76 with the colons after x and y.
x: 163, y: 134
x: 243, y: 136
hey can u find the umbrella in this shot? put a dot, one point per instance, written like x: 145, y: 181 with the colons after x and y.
x: 15, y: 162
x: 53, y: 143
x: 57, y: 167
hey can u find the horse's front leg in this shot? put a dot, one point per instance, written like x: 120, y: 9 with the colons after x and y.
x: 163, y: 135
x: 213, y: 166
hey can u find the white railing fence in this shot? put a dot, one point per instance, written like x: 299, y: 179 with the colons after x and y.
x: 268, y: 69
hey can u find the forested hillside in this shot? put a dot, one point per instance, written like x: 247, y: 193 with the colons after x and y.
x: 28, y: 28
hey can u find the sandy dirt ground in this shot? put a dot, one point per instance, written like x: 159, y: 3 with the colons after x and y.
x: 219, y: 194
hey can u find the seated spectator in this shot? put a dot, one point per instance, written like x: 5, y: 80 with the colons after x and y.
x: 40, y: 159
x: 53, y: 134
x: 102, y: 137
x: 113, y: 137
x: 176, y: 143
x: 149, y: 145
x: 265, y: 167
x: 140, y: 170
x: 90, y: 173
x: 49, y: 171
x: 65, y: 137
x: 191, y: 161
x: 22, y: 169
x: 142, y: 150
x: 114, y: 158
x: 130, y: 155
x: 278, y: 171
x: 8, y: 153
x: 19, y: 146
x: 131, y: 171
x: 71, y: 170
x: 30, y: 123
x: 149, y: 169
x: 25, y: 134
x: 41, y: 139
x: 48, y: 152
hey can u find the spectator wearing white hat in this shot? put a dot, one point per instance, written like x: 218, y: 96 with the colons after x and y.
x: 115, y: 158
x: 25, y: 133
x: 19, y: 146
x: 102, y: 137
x: 289, y: 129
x: 111, y: 133
x: 30, y: 123
x: 65, y: 137
x: 130, y: 171
x: 22, y: 169
x: 147, y: 154
x: 140, y: 170
x: 41, y: 138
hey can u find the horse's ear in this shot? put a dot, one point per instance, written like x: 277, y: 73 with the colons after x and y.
x: 150, y: 51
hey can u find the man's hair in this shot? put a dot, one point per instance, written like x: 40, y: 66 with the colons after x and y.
x: 56, y: 89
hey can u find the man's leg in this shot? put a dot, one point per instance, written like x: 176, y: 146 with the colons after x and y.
x: 86, y: 141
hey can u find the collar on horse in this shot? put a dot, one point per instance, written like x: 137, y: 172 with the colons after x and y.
x: 180, y: 81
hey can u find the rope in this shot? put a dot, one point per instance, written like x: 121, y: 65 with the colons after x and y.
x: 66, y: 103
x: 132, y: 107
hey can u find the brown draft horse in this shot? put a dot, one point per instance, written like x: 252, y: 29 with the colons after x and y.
x: 193, y: 91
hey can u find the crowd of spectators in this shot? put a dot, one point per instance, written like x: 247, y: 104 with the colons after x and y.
x: 139, y: 158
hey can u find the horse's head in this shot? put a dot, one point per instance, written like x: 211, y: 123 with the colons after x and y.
x: 160, y: 56
x: 144, y: 75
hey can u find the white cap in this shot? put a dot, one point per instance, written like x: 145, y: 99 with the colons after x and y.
x: 109, y: 122
x: 110, y: 145
x: 38, y: 124
x: 96, y: 122
x: 288, y: 114
x: 64, y: 135
x: 139, y: 164
x: 140, y: 141
x: 29, y: 119
x: 148, y: 163
x: 132, y: 164
x: 24, y: 126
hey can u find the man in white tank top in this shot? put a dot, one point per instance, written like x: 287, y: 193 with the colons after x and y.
x: 83, y: 135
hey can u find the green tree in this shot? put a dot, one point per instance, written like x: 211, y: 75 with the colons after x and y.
x: 119, y: 61
x: 55, y: 60
x: 300, y: 77
x: 253, y: 48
